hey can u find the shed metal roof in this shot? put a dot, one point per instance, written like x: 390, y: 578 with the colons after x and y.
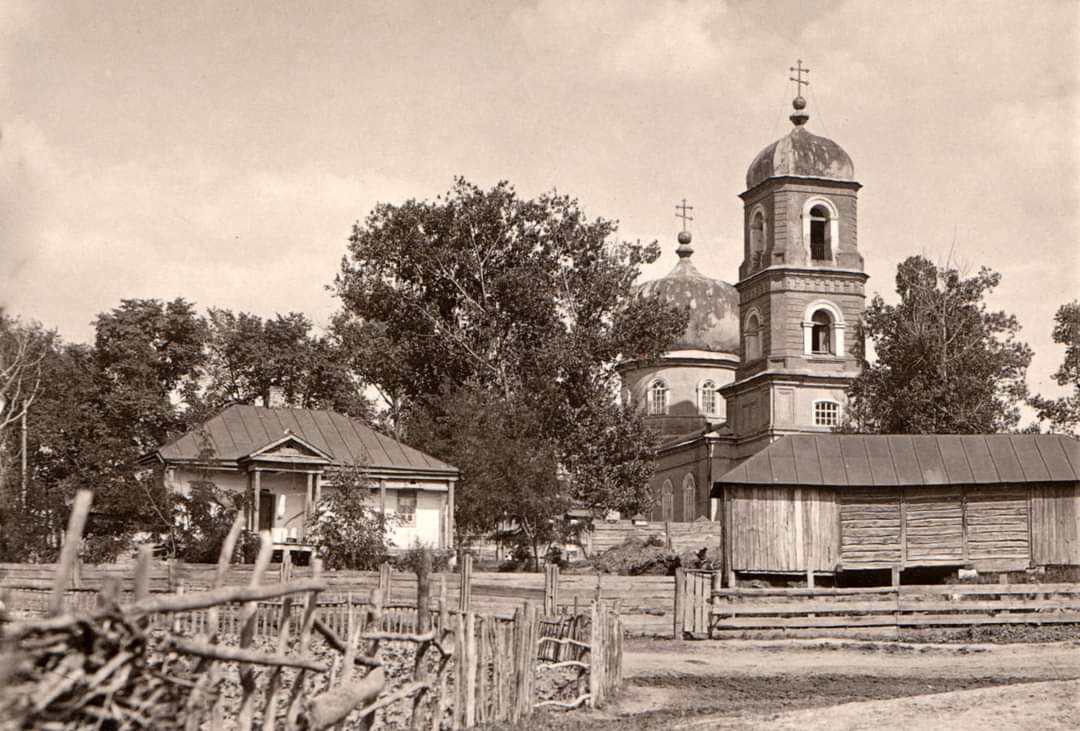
x: 241, y: 430
x: 864, y: 460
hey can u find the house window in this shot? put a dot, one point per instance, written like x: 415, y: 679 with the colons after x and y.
x: 658, y: 397
x: 757, y: 240
x: 821, y: 333
x: 406, y: 507
x: 708, y: 398
x: 689, y: 499
x: 667, y: 502
x: 826, y: 413
x: 819, y: 233
x: 753, y: 337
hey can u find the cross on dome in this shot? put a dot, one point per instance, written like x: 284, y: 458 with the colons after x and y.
x: 682, y: 211
x: 799, y: 117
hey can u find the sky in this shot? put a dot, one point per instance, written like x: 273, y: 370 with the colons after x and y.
x: 221, y: 151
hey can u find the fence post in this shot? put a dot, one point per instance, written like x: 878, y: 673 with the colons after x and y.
x: 465, y: 594
x: 384, y: 582
x: 551, y: 590
x: 678, y: 626
x: 713, y: 588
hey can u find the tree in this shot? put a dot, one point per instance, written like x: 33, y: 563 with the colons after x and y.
x: 1063, y: 412
x: 524, y: 301
x: 509, y: 465
x: 23, y: 347
x: 348, y: 532
x: 247, y: 356
x: 945, y: 363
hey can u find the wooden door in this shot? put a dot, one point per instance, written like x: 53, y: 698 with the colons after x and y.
x: 267, y: 507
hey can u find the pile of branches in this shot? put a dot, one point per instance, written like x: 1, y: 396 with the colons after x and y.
x: 104, y: 672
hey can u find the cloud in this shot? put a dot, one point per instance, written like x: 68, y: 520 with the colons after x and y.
x: 666, y: 40
x: 76, y: 238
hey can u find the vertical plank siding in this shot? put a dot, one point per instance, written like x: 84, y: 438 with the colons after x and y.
x: 784, y: 529
x: 1055, y: 524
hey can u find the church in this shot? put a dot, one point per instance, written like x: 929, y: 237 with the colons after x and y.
x: 768, y: 355
x: 746, y: 403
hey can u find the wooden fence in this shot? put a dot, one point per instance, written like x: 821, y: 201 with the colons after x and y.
x: 467, y: 668
x: 716, y: 612
x: 644, y: 602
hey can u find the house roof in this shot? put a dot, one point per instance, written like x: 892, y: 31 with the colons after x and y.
x: 863, y: 460
x: 241, y: 432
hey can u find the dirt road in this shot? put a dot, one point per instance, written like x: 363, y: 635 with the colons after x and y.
x: 823, y: 685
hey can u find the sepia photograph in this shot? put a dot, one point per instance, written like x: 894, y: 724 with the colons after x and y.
x: 621, y: 364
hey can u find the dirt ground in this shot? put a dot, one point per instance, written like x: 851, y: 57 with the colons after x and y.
x: 825, y: 684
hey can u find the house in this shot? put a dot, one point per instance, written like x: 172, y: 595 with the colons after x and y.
x: 832, y: 503
x: 288, y: 458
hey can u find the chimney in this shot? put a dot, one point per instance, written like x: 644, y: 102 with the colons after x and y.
x: 275, y: 398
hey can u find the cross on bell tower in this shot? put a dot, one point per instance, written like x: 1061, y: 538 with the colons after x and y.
x: 799, y: 117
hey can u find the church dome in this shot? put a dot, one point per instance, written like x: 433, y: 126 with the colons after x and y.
x: 713, y: 304
x: 801, y: 154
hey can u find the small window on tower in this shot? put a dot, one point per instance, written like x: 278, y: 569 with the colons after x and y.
x: 753, y: 337
x: 821, y: 336
x: 658, y: 398
x: 826, y: 413
x: 819, y: 233
x: 757, y: 240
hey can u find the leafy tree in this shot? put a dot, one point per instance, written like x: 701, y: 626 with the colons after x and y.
x: 147, y: 351
x: 945, y: 363
x: 1063, y: 412
x: 481, y: 302
x: 509, y: 468
x: 348, y: 531
x: 248, y: 355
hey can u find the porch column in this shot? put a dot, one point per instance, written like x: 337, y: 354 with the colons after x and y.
x: 318, y: 487
x: 308, y: 497
x: 450, y: 514
x: 256, y: 486
x: 382, y: 498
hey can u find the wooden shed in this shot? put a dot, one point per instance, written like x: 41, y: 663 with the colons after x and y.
x: 835, y: 502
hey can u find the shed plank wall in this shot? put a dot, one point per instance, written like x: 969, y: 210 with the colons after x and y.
x: 1055, y: 524
x: 784, y: 529
x: 870, y: 526
x: 934, y: 524
x: 997, y: 522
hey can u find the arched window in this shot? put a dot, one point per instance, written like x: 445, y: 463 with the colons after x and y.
x: 667, y: 502
x: 820, y: 234
x: 752, y: 337
x: 658, y: 397
x: 689, y: 498
x: 821, y: 340
x: 757, y: 240
x: 826, y: 413
x: 823, y: 329
x: 708, y: 398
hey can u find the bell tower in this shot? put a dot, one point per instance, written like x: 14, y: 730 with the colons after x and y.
x: 801, y: 287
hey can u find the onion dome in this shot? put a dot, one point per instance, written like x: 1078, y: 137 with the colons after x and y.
x: 801, y: 154
x: 713, y: 304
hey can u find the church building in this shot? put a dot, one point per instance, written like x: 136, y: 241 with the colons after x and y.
x: 747, y: 401
x: 772, y: 354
